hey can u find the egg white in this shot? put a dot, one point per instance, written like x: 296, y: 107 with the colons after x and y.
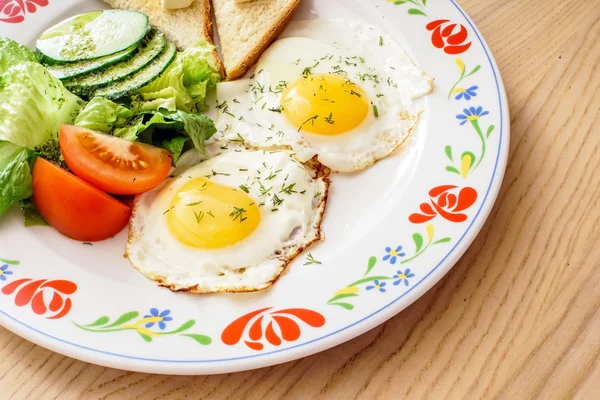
x: 248, y: 108
x: 251, y: 264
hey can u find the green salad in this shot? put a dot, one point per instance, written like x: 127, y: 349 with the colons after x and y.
x: 156, y: 99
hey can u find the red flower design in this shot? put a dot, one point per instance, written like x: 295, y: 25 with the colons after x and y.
x: 446, y: 204
x: 14, y: 11
x: 270, y: 325
x: 38, y: 292
x: 444, y: 38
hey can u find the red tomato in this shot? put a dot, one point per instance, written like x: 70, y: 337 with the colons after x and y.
x: 74, y: 207
x: 113, y: 164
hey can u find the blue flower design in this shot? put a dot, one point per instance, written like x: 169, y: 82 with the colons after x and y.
x: 163, y: 315
x: 4, y: 271
x: 466, y: 93
x: 471, y: 114
x: 403, y: 277
x: 377, y: 285
x: 392, y: 255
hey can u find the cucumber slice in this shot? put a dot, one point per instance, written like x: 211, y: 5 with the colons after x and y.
x: 78, y: 68
x: 92, y: 35
x: 152, y: 47
x: 140, y: 79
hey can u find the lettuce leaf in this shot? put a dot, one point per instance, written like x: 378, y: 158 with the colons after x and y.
x: 175, y: 146
x: 33, y: 105
x: 183, y: 86
x: 198, y: 74
x: 31, y: 214
x: 12, y: 53
x: 198, y: 127
x: 163, y: 128
x: 15, y: 174
x: 102, y: 115
x: 168, y: 87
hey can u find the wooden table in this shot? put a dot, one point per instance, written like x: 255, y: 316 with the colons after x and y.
x: 518, y: 317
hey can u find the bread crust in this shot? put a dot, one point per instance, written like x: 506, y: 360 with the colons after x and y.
x: 265, y: 41
x: 208, y: 36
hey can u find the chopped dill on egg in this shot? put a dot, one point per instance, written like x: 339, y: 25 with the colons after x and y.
x: 375, y: 111
x: 273, y: 174
x: 193, y: 204
x: 263, y: 190
x: 215, y: 173
x: 238, y: 213
x: 276, y: 200
x: 311, y: 260
x: 280, y: 86
x: 288, y: 189
x: 308, y: 70
x: 199, y: 216
x: 239, y: 139
x: 317, y: 194
x: 368, y: 77
x: 329, y: 119
x: 245, y: 188
x: 311, y: 119
x: 380, y: 40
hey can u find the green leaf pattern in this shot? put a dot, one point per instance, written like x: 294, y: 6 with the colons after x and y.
x: 360, y: 286
x: 143, y: 326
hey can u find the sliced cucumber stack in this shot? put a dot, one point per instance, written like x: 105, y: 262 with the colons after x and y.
x: 148, y: 51
x: 109, y: 53
x: 92, y: 35
x: 140, y: 79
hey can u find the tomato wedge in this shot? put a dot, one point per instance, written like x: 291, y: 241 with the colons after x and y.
x: 74, y: 207
x: 113, y: 164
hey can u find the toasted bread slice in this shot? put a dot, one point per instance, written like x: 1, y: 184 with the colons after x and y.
x: 184, y: 27
x: 247, y: 29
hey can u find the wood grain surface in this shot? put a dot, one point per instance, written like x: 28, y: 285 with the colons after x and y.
x: 517, y: 318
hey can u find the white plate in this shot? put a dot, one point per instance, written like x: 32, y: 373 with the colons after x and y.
x: 87, y: 302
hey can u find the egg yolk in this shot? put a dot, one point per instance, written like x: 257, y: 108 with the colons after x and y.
x: 325, y: 104
x: 208, y: 215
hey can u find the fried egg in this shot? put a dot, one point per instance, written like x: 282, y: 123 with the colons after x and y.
x: 229, y: 224
x: 341, y: 90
